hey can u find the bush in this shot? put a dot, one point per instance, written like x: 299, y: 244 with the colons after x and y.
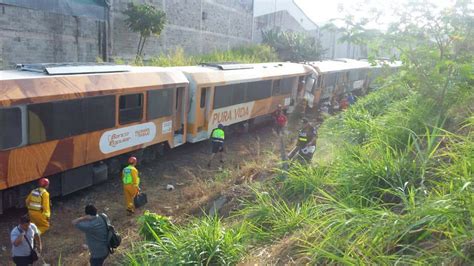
x: 153, y: 226
x: 201, y: 242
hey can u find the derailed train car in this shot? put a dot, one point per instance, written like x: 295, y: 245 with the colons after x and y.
x: 236, y: 94
x: 72, y: 128
x: 77, y: 124
x: 337, y: 77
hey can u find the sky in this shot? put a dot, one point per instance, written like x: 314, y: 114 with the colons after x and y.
x: 322, y: 11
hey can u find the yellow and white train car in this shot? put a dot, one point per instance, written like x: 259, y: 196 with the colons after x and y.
x: 232, y: 94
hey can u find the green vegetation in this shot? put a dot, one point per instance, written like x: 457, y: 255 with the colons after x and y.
x: 244, y: 54
x: 391, y: 183
x: 293, y: 46
x: 145, y: 19
x: 203, y: 241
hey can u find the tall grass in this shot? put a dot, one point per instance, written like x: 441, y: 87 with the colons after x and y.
x: 243, y: 54
x: 394, y: 185
x: 203, y: 241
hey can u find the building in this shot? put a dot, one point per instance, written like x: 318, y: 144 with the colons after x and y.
x: 87, y: 30
x: 286, y: 15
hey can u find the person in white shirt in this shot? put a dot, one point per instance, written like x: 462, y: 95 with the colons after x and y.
x: 24, y: 238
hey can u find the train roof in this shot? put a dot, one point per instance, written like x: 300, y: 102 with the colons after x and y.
x: 343, y: 64
x: 19, y: 87
x: 229, y: 73
x: 328, y: 66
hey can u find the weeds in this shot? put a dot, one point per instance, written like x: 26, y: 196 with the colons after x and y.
x: 202, y: 242
x: 177, y: 57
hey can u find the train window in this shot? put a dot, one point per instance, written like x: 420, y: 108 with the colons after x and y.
x: 276, y: 87
x: 309, y: 84
x: 130, y: 108
x: 202, y: 103
x: 223, y: 96
x: 318, y: 84
x: 176, y: 100
x: 239, y: 93
x: 62, y: 119
x: 287, y: 85
x: 55, y: 120
x: 10, y: 123
x: 357, y: 74
x: 99, y: 112
x: 330, y: 79
x: 160, y: 103
x: 259, y: 90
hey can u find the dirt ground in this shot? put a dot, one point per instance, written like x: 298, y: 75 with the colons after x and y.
x: 184, y: 167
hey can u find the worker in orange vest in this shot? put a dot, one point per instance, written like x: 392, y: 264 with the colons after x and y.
x: 131, y: 182
x: 38, y: 206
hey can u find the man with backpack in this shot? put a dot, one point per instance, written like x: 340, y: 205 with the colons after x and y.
x: 96, y: 229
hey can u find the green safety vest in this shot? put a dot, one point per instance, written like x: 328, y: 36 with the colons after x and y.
x: 302, y: 136
x: 218, y: 134
x: 127, y: 175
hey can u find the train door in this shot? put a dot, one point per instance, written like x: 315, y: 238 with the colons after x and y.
x: 179, y: 116
x: 202, y: 118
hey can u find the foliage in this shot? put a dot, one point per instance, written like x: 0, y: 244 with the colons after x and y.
x: 201, y: 242
x: 398, y: 186
x: 244, y: 54
x: 293, y: 46
x: 153, y: 225
x: 146, y: 20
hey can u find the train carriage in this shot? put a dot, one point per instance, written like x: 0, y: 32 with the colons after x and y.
x: 75, y: 124
x: 336, y: 77
x: 64, y: 123
x: 232, y: 94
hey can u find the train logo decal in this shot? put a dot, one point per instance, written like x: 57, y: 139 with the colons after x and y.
x: 230, y: 115
x: 126, y: 137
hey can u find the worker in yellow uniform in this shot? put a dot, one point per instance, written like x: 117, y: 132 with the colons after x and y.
x: 131, y: 182
x: 38, y: 206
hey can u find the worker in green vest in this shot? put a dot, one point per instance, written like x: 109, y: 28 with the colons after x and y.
x: 217, y: 141
x: 131, y: 183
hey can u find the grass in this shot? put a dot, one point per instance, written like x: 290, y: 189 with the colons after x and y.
x: 203, y: 241
x: 177, y: 57
x: 392, y: 183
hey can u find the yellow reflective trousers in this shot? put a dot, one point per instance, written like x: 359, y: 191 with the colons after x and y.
x: 130, y: 192
x: 40, y: 220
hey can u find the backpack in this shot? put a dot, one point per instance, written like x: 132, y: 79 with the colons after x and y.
x: 113, y: 237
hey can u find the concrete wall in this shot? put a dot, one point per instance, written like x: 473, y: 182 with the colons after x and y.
x: 281, y: 20
x: 29, y: 36
x: 198, y: 26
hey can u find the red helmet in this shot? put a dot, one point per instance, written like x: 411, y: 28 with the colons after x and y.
x: 43, y: 182
x: 132, y: 160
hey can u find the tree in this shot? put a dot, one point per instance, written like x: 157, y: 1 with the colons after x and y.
x: 293, y: 46
x: 436, y: 46
x: 146, y: 20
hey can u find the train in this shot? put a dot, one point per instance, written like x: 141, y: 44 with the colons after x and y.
x: 77, y: 123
